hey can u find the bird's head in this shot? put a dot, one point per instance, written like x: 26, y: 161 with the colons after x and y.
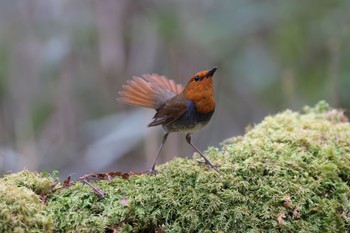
x: 200, y: 89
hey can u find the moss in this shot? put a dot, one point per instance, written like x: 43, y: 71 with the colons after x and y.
x: 21, y: 206
x: 290, y: 173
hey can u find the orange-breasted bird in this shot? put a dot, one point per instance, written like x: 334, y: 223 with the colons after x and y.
x: 178, y: 109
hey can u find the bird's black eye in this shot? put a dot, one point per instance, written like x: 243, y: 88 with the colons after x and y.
x: 196, y: 78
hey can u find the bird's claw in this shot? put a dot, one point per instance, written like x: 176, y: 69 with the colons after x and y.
x: 151, y: 172
x: 210, y: 165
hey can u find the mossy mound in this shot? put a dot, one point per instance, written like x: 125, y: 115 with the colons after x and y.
x: 290, y: 173
x: 21, y: 206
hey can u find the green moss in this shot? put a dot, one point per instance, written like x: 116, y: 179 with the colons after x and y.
x: 38, y: 183
x: 290, y: 173
x: 21, y: 208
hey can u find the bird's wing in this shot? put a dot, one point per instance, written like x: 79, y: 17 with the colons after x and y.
x: 170, y: 111
x: 150, y: 91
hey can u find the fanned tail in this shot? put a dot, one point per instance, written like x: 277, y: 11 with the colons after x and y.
x: 150, y: 91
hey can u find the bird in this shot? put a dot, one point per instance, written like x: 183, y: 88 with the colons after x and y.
x: 178, y: 109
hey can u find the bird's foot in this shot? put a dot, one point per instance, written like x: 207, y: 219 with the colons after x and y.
x: 152, y: 171
x: 209, y: 164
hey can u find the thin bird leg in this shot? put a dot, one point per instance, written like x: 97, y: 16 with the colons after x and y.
x: 151, y: 171
x: 188, y: 139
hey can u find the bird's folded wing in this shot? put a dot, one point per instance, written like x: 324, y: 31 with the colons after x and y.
x: 169, y: 112
x: 150, y: 91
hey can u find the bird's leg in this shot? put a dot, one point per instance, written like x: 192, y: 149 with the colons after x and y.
x: 151, y: 171
x: 188, y: 139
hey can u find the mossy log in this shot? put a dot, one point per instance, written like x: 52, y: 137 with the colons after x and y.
x: 290, y: 173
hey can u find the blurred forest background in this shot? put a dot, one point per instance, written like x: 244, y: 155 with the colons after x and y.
x: 62, y: 64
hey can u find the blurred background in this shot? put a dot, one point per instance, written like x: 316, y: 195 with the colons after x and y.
x: 62, y: 64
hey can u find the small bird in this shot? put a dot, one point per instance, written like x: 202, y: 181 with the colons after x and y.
x: 178, y: 109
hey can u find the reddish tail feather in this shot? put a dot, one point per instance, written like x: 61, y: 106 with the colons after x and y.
x: 149, y: 91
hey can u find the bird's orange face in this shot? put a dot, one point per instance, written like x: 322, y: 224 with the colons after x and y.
x: 200, y: 90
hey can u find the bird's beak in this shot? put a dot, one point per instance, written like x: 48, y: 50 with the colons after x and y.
x: 211, y: 72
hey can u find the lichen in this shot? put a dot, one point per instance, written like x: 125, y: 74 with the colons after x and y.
x: 290, y: 173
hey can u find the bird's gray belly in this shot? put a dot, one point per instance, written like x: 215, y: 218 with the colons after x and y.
x: 189, y: 122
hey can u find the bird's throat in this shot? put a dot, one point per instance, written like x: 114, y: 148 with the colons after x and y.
x: 205, y: 104
x: 202, y: 97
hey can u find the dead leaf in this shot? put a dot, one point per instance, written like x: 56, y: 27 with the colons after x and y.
x: 296, y: 212
x: 124, y: 201
x: 280, y: 218
x: 287, y: 202
x: 66, y: 182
